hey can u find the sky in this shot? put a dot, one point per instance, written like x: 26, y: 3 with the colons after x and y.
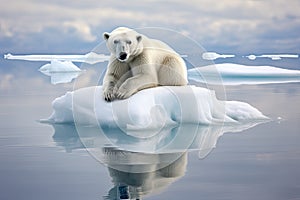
x: 76, y: 27
x: 59, y: 26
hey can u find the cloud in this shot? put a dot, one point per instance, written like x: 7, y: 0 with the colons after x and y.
x: 79, y: 28
x: 235, y: 24
x: 5, y: 30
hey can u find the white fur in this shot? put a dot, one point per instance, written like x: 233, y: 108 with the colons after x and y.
x: 138, y: 62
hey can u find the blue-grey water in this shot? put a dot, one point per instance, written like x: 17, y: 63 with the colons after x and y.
x: 39, y: 161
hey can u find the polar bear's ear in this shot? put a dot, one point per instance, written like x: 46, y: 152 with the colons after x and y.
x: 139, y: 38
x: 105, y: 36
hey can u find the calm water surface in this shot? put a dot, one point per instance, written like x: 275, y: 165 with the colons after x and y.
x: 263, y: 162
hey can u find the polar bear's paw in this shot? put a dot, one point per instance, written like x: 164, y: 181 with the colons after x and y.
x: 108, y: 94
x: 123, y: 93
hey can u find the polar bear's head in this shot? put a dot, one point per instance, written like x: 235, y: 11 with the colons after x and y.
x: 124, y: 43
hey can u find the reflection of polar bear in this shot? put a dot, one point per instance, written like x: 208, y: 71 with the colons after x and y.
x: 138, y: 62
x: 136, y: 174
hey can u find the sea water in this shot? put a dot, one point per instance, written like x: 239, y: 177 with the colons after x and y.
x: 42, y: 161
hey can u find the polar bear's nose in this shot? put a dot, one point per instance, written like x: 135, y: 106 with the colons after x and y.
x: 123, y: 56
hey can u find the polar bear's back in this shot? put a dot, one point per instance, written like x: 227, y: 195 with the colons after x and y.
x: 149, y: 43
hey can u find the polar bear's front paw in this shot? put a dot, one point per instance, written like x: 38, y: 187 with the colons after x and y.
x: 108, y: 95
x: 123, y: 93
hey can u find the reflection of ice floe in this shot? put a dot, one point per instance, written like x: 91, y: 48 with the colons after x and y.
x: 61, y: 72
x: 236, y: 74
x: 214, y: 56
x: 185, y: 137
x: 152, y: 163
x: 273, y: 56
x: 149, y: 172
x: 153, y: 108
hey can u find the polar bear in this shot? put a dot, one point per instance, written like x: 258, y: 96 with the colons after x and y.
x: 138, y: 62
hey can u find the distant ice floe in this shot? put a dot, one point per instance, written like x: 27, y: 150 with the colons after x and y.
x: 214, y: 56
x: 90, y: 57
x: 61, y: 68
x: 273, y: 56
x: 61, y: 72
x: 152, y: 108
x: 236, y: 74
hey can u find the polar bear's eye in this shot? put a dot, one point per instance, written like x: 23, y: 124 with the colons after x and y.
x: 128, y: 42
x: 116, y: 41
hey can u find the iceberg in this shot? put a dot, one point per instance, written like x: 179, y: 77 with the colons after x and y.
x: 272, y: 56
x: 90, y: 57
x: 214, y: 56
x: 60, y: 71
x: 150, y: 109
x: 236, y: 74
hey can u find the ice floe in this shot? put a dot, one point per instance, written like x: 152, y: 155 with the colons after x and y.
x: 90, y: 57
x: 232, y: 74
x: 61, y: 68
x: 153, y: 108
x: 236, y: 74
x: 272, y: 56
x: 214, y: 55
x: 61, y: 71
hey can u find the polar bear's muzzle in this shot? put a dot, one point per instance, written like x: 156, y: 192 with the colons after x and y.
x: 122, y: 51
x: 123, y: 56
